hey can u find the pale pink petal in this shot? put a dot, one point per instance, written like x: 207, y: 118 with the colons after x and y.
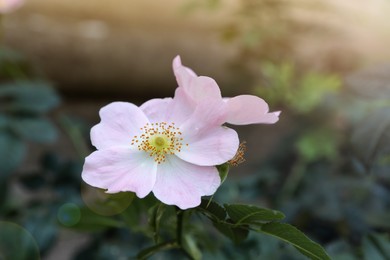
x: 181, y: 107
x: 248, y: 109
x: 157, y: 110
x: 7, y: 6
x: 120, y: 122
x: 203, y: 87
x: 183, y: 74
x: 120, y: 169
x: 212, y: 147
x: 176, y: 64
x: 197, y: 88
x: 183, y: 184
x: 207, y: 114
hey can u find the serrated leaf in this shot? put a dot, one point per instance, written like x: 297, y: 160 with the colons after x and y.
x: 39, y: 130
x: 247, y: 214
x: 293, y: 236
x: 236, y: 234
x: 213, y: 209
x: 12, y: 152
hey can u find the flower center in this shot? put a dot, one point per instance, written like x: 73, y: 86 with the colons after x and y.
x: 159, y: 140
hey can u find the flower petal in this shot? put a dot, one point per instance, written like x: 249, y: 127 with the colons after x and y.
x: 209, y: 144
x: 197, y: 88
x: 156, y: 109
x: 181, y: 107
x: 248, y: 109
x: 7, y: 6
x: 208, y: 148
x: 120, y: 122
x: 183, y: 184
x: 176, y: 65
x: 207, y: 114
x: 120, y: 169
x: 203, y: 87
x: 183, y: 74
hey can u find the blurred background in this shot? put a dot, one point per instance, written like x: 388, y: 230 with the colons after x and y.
x: 326, y: 163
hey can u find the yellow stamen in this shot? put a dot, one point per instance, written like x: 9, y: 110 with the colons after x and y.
x: 159, y: 140
x: 239, y: 157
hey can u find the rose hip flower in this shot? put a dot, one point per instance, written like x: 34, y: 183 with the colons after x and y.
x: 170, y: 146
x: 161, y: 152
x: 7, y: 6
x: 240, y: 110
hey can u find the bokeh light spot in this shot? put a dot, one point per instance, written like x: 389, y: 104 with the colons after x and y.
x: 69, y: 214
x: 17, y: 243
x: 106, y: 204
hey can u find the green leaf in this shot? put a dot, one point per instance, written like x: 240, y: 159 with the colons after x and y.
x: 223, y: 170
x: 316, y: 144
x: 43, y: 228
x: 90, y: 221
x: 247, y: 214
x: 29, y: 96
x: 213, y: 210
x: 12, y: 152
x: 236, y: 234
x: 296, y: 238
x: 39, y: 130
x: 312, y: 89
x: 376, y: 246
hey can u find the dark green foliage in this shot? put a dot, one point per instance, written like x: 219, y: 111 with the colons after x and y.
x: 16, y: 243
x: 23, y: 109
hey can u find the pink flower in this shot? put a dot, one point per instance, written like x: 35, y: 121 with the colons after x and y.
x: 7, y: 6
x: 170, y: 146
x: 240, y: 110
x: 160, y: 152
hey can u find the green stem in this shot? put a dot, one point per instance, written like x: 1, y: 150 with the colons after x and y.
x: 179, y: 229
x: 144, y: 254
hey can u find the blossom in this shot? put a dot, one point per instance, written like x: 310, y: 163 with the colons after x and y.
x: 7, y: 6
x: 240, y: 110
x: 170, y: 146
x: 160, y: 153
